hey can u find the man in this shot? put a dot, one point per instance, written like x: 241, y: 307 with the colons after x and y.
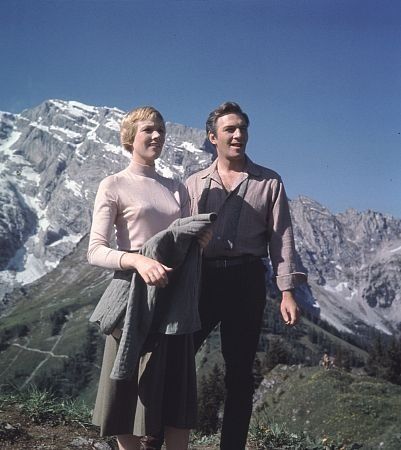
x: 253, y: 220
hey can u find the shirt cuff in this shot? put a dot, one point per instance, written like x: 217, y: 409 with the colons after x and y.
x: 291, y: 280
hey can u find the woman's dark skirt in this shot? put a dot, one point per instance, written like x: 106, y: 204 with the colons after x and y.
x: 161, y: 393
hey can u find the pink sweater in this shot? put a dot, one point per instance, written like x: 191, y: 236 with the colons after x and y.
x: 138, y: 203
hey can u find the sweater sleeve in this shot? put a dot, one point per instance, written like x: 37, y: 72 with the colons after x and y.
x: 104, y: 216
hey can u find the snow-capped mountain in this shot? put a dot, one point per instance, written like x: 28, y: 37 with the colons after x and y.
x: 53, y: 157
x: 354, y: 264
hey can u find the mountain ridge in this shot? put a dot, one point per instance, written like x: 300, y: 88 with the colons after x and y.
x: 53, y: 156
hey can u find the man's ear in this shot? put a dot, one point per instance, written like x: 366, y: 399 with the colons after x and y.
x: 212, y: 137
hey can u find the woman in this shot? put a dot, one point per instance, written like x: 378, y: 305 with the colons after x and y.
x: 139, y: 203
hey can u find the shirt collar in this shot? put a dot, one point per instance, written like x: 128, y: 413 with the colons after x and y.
x: 143, y: 170
x: 250, y: 168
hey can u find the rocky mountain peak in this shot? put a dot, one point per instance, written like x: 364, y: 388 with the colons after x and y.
x: 53, y: 156
x: 354, y: 263
x: 52, y: 159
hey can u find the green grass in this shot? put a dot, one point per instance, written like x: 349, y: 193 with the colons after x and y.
x: 42, y: 407
x: 73, y: 288
x: 362, y: 413
x: 335, y: 405
x: 273, y: 436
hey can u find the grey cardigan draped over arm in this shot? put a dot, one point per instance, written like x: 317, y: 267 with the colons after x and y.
x: 169, y: 310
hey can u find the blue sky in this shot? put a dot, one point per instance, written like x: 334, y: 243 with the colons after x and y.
x: 320, y: 79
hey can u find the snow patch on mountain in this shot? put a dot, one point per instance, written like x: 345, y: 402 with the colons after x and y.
x: 163, y: 169
x: 75, y: 187
x: 191, y: 147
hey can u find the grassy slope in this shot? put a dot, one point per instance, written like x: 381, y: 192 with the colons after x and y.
x: 344, y: 407
x: 333, y: 403
x: 73, y: 287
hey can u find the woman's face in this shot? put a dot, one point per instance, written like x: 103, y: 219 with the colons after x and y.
x: 148, y: 142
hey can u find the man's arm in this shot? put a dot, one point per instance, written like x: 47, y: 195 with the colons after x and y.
x: 283, y: 256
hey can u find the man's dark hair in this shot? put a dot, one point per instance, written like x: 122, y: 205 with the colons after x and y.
x: 223, y: 110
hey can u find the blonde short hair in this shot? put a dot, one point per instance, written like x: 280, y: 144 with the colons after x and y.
x: 130, y: 121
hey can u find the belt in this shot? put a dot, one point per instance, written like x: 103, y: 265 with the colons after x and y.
x: 223, y: 263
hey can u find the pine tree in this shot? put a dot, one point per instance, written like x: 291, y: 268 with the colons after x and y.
x: 385, y: 360
x: 257, y: 372
x: 210, y: 399
x: 276, y: 354
x: 392, y: 363
x: 373, y: 364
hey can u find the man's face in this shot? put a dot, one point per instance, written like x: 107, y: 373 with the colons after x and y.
x: 231, y: 137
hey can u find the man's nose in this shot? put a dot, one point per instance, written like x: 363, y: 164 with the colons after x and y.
x: 237, y: 133
x: 155, y: 134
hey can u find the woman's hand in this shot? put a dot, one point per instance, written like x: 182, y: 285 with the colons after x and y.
x: 152, y: 272
x: 204, y: 237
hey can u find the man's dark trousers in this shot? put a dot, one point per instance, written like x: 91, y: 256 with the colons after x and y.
x: 234, y: 296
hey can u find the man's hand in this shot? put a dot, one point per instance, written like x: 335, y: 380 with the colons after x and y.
x: 152, y: 272
x: 204, y: 237
x: 289, y: 308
